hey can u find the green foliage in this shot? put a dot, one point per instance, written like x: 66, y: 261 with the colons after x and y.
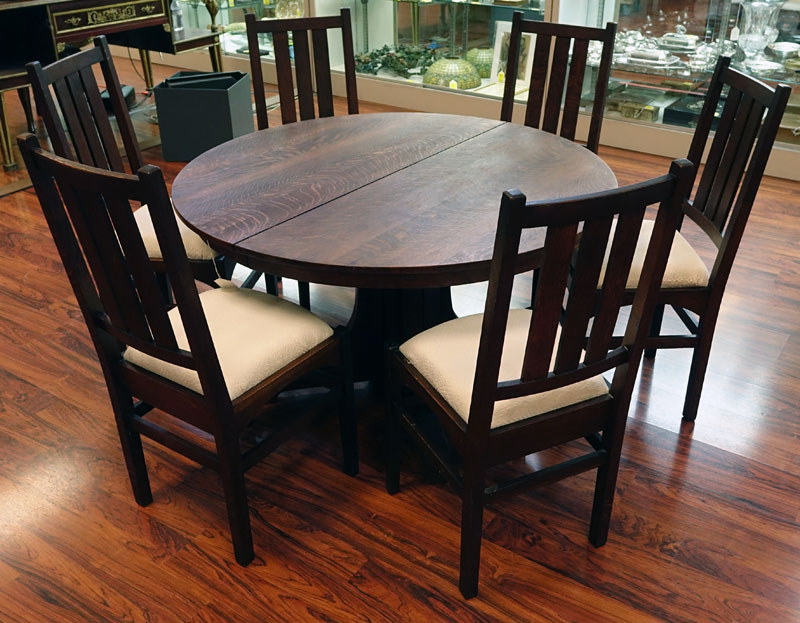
x: 401, y: 60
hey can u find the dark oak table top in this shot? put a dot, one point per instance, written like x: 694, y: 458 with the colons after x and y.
x: 392, y: 200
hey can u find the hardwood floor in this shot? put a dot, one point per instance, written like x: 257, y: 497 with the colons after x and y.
x: 706, y: 525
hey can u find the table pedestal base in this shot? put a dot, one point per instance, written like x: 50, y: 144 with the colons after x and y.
x: 383, y: 317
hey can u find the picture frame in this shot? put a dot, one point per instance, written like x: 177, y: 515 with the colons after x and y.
x: 502, y: 38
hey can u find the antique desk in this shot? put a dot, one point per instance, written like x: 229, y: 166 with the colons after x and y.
x: 32, y: 30
x: 399, y: 205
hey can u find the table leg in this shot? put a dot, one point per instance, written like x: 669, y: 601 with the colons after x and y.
x: 6, y: 146
x: 215, y: 52
x: 147, y: 68
x: 383, y: 317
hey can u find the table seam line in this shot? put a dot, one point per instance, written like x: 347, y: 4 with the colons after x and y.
x: 500, y: 124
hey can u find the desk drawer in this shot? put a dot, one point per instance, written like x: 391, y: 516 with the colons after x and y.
x: 82, y: 16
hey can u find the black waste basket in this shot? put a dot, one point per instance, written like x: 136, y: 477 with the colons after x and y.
x: 200, y: 110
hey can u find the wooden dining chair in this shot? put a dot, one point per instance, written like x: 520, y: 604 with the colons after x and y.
x: 313, y: 77
x: 560, y: 54
x: 214, y: 362
x: 721, y: 205
x: 512, y: 382
x: 89, y: 139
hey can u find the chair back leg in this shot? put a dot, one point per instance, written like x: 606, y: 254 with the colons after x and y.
x: 655, y: 329
x: 132, y: 450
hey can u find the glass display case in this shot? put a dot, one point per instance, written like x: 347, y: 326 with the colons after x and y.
x: 664, y: 55
x: 442, y: 45
x: 666, y: 51
x: 227, y: 17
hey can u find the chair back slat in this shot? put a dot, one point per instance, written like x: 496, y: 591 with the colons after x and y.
x: 143, y: 277
x: 593, y: 215
x: 559, y: 66
x: 558, y: 248
x: 101, y: 124
x: 80, y: 144
x: 311, y: 65
x: 615, y: 278
x: 735, y: 161
x: 283, y: 67
x: 732, y: 144
x: 302, y: 69
x: 560, y: 58
x: 717, y: 149
x: 588, y: 264
x: 322, y: 72
x: 572, y: 100
x: 538, y: 83
x: 90, y: 138
x: 92, y: 250
x: 88, y: 128
x: 708, y: 113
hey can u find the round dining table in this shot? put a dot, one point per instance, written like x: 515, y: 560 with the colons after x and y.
x: 399, y: 205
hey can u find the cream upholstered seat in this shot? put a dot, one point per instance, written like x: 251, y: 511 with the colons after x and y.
x: 446, y: 356
x: 255, y: 335
x: 685, y: 269
x: 196, y: 248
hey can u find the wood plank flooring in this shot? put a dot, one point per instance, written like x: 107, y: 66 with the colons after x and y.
x: 706, y: 525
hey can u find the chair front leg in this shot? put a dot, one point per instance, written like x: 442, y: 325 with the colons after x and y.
x: 471, y: 530
x: 232, y: 472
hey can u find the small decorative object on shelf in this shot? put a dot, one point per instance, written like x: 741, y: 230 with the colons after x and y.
x: 404, y: 60
x: 759, y: 30
x: 450, y: 68
x: 289, y: 9
x: 176, y: 13
x: 481, y: 59
x: 783, y: 50
x: 213, y: 9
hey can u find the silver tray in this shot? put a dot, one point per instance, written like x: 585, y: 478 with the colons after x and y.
x: 687, y: 46
x: 669, y: 62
